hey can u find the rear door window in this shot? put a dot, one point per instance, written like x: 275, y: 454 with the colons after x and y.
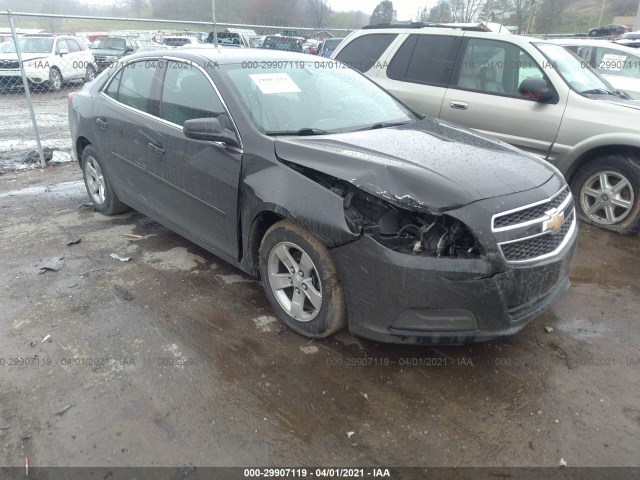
x: 363, y: 52
x: 134, y: 85
x: 427, y: 59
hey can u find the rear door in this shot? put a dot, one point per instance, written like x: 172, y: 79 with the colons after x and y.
x: 123, y: 114
x: 420, y: 70
x: 196, y: 182
x: 484, y: 96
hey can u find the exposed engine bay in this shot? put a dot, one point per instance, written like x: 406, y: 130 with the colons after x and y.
x: 397, y: 228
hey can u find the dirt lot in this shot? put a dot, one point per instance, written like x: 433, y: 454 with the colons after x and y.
x: 174, y: 358
x: 16, y: 134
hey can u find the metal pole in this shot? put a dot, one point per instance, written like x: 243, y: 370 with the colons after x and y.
x: 26, y: 88
x: 636, y: 26
x: 601, y: 12
x: 215, y: 29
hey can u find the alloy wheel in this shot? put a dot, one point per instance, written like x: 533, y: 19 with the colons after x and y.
x: 95, y: 180
x: 607, y: 197
x: 294, y: 281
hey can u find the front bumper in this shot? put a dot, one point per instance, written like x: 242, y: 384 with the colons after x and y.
x: 398, y: 298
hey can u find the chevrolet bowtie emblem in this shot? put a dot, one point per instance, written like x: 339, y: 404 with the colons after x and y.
x: 554, y: 224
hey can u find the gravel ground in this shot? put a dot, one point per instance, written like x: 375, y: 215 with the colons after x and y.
x: 175, y: 358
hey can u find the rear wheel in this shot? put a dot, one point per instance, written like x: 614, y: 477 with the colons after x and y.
x: 98, y: 185
x: 607, y: 193
x: 301, y: 281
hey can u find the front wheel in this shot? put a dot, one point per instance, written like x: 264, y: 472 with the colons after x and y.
x: 607, y: 193
x: 55, y: 80
x: 301, y: 281
x: 90, y: 75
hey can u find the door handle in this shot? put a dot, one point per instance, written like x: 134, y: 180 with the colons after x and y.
x: 103, y: 124
x: 156, y: 149
x: 459, y: 105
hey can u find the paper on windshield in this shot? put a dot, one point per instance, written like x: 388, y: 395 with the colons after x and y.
x: 275, y: 83
x: 612, y: 62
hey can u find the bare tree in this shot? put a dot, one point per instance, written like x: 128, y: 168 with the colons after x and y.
x: 318, y: 11
x: 466, y: 11
x: 134, y: 5
x: 384, y: 13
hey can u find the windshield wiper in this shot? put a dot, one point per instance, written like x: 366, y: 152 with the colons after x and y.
x: 378, y: 125
x: 301, y: 133
x: 598, y: 91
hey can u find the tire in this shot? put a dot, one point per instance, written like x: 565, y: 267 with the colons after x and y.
x: 98, y: 185
x: 323, y: 310
x: 55, y: 80
x: 90, y: 75
x: 607, y: 193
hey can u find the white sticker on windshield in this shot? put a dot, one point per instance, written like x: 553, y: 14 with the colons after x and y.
x: 275, y: 83
x: 612, y: 62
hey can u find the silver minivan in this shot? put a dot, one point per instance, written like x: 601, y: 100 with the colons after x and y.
x: 527, y: 92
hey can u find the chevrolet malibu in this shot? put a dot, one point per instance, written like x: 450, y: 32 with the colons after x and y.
x: 352, y: 209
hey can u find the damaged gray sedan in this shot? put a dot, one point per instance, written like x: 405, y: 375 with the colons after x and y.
x: 352, y: 209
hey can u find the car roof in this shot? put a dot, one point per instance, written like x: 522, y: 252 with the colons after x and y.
x: 228, y: 56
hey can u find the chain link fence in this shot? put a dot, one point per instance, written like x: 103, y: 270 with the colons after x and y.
x: 45, y: 57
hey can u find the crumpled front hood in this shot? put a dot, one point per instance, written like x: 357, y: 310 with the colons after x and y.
x: 430, y: 165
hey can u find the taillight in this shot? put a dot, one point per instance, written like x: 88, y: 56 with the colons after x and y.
x: 70, y: 97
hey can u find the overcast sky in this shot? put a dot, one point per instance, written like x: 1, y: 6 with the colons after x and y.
x: 407, y: 9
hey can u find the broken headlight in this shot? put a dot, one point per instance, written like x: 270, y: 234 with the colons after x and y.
x: 408, y: 231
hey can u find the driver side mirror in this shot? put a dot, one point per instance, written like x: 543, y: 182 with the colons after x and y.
x: 208, y: 129
x: 537, y: 89
x: 128, y: 50
x: 63, y: 51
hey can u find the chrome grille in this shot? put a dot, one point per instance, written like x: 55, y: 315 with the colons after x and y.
x: 537, y: 246
x: 530, y: 213
x: 9, y: 64
x: 536, y: 231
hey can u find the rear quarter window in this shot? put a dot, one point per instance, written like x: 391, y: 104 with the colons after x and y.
x: 363, y: 52
x: 427, y: 59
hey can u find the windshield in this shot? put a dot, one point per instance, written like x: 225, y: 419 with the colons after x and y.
x: 108, y: 44
x: 32, y: 45
x: 577, y: 73
x: 311, y: 98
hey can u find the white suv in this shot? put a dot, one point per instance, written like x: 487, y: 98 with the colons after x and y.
x: 525, y: 91
x: 48, y: 62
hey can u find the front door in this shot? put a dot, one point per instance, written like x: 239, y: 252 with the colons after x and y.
x: 485, y: 97
x: 195, y: 182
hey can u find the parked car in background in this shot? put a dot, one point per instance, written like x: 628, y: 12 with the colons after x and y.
x: 629, y: 39
x: 618, y: 64
x: 179, y: 40
x: 351, y: 209
x: 327, y: 46
x: 611, y: 30
x: 280, y: 42
x: 48, y: 61
x: 528, y: 92
x: 109, y: 50
x: 149, y: 46
x: 311, y: 47
x: 230, y: 39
